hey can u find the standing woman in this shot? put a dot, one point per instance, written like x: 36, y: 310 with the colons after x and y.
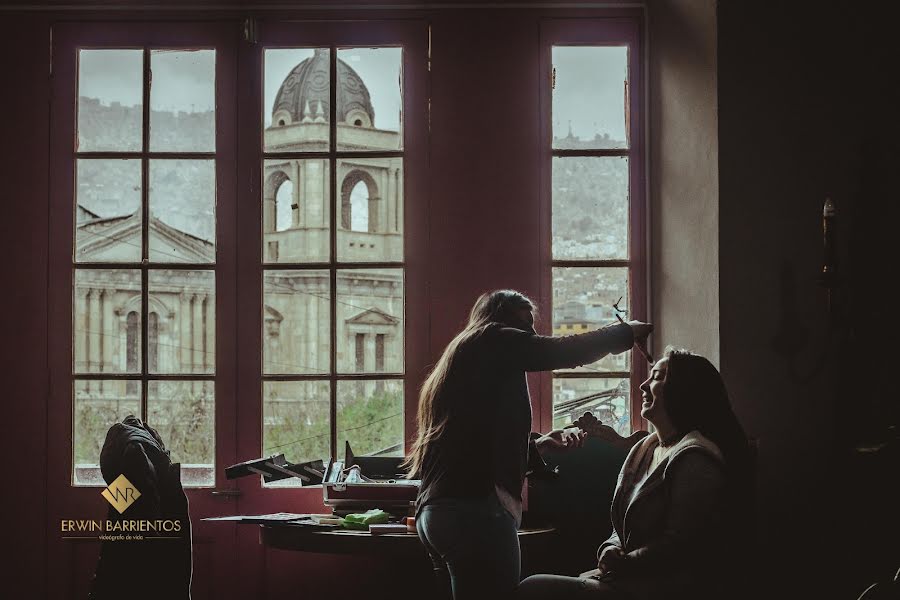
x: 475, y: 444
x: 681, y: 500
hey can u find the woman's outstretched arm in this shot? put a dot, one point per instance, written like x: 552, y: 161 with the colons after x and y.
x: 531, y: 352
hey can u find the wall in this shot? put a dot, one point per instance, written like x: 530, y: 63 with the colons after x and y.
x: 23, y: 237
x: 684, y: 170
x: 483, y: 189
x: 804, y: 109
x: 807, y: 103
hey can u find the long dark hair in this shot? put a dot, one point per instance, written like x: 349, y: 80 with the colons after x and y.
x: 696, y: 398
x: 498, y: 306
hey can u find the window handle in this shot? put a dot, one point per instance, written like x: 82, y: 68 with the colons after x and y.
x: 227, y: 493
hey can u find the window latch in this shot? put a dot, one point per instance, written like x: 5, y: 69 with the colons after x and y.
x: 251, y: 30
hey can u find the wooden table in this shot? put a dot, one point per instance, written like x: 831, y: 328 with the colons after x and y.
x: 345, y: 541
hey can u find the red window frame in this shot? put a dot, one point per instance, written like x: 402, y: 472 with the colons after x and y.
x: 65, y: 500
x: 599, y: 32
x: 412, y: 35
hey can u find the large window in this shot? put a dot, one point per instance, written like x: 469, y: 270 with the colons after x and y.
x: 145, y: 252
x: 595, y: 190
x: 332, y: 251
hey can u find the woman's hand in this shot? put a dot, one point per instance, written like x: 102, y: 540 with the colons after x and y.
x: 640, y: 331
x: 561, y: 439
x: 611, y: 558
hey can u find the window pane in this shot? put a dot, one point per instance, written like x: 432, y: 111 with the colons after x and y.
x: 97, y: 405
x: 183, y: 309
x: 296, y: 220
x: 108, y: 211
x: 583, y: 300
x: 184, y: 415
x: 369, y: 99
x: 296, y: 421
x: 296, y: 99
x: 183, y: 211
x: 107, y: 321
x: 370, y: 205
x: 183, y: 100
x: 369, y: 303
x: 296, y: 316
x: 589, y: 97
x: 110, y: 100
x: 590, y: 208
x: 370, y: 417
x: 606, y: 399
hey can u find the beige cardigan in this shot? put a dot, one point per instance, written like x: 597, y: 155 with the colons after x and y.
x: 668, y: 529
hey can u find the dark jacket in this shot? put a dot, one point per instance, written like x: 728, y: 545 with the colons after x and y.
x: 669, y: 528
x: 486, y: 442
x: 149, y: 568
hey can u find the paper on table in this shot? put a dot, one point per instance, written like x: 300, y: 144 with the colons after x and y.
x: 270, y: 518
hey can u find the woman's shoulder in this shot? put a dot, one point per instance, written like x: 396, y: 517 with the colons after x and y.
x: 697, y: 448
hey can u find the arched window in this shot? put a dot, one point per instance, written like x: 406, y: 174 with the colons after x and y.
x: 284, y: 198
x: 359, y: 207
x: 357, y: 192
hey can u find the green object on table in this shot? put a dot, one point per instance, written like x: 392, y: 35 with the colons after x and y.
x: 363, y: 520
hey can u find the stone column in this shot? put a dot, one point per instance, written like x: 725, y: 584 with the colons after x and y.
x: 324, y: 324
x: 268, y: 206
x: 308, y: 356
x: 369, y: 353
x: 374, y: 213
x: 209, y: 308
x: 80, y: 323
x: 389, y: 205
x: 110, y: 335
x: 397, y: 200
x: 102, y: 300
x: 95, y: 329
x: 197, y: 331
x: 184, y: 330
x: 297, y: 218
x: 384, y: 197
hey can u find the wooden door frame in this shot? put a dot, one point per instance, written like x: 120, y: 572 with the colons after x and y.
x: 66, y: 500
x: 412, y: 35
x: 621, y: 27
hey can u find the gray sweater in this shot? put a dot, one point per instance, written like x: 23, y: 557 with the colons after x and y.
x: 667, y: 528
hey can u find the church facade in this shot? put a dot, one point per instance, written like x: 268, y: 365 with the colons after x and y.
x: 296, y: 219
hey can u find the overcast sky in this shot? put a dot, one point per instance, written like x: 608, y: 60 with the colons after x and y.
x: 590, y: 91
x: 589, y: 83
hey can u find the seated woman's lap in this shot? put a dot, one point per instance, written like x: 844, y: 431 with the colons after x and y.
x: 559, y: 587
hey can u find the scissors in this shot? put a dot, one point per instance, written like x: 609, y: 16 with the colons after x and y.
x: 640, y: 348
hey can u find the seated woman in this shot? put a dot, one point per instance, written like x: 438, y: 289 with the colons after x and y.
x: 676, y: 496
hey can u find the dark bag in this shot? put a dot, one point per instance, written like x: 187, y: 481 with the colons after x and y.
x: 147, y: 568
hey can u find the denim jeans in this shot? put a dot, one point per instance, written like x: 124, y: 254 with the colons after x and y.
x: 474, y: 546
x: 559, y: 587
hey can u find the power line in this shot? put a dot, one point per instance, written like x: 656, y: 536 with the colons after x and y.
x: 313, y: 437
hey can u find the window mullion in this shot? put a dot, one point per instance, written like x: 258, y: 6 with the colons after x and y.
x: 145, y: 234
x: 332, y: 212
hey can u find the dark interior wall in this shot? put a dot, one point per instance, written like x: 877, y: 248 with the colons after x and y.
x: 25, y: 52
x: 807, y: 108
x: 483, y: 232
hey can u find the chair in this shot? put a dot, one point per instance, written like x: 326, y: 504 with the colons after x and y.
x: 577, y: 501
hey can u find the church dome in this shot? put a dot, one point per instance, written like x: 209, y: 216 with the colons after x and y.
x: 303, y: 96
